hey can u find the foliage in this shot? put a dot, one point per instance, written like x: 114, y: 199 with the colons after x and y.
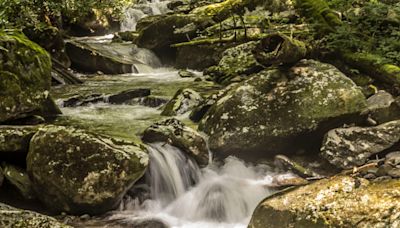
x: 42, y: 13
x: 372, y: 27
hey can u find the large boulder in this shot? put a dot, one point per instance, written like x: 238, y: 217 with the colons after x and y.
x: 278, y: 111
x: 15, y: 139
x: 25, y: 75
x: 340, y: 201
x: 13, y: 217
x: 80, y: 172
x: 349, y: 147
x: 179, y: 135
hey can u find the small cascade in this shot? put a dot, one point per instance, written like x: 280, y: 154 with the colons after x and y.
x: 182, y: 195
x: 170, y: 173
x: 140, y: 10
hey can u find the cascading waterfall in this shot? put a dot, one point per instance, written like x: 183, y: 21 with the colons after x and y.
x: 140, y: 10
x: 182, y: 195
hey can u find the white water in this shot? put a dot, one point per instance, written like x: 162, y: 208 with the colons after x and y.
x: 182, y: 195
x: 143, y: 9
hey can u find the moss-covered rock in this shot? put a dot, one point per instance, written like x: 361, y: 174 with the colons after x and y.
x: 349, y: 147
x: 13, y: 217
x: 177, y: 134
x: 25, y: 75
x: 236, y: 61
x: 340, y: 201
x: 19, y: 178
x: 276, y: 111
x: 165, y: 30
x: 183, y: 101
x: 80, y: 172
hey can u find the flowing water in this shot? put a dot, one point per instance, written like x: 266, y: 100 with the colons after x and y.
x: 183, y: 195
x: 174, y: 190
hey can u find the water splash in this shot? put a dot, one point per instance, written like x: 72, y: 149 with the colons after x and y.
x: 134, y: 13
x: 182, y: 195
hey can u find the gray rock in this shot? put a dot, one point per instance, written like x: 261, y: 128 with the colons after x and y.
x: 174, y: 132
x: 183, y: 101
x: 13, y: 217
x: 80, y: 172
x: 393, y: 158
x: 348, y: 147
x: 382, y: 107
x: 273, y: 111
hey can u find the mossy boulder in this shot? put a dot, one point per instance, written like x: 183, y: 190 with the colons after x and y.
x: 353, y: 146
x: 177, y: 134
x: 235, y: 61
x: 340, y: 201
x: 282, y: 110
x: 80, y: 172
x: 25, y: 75
x: 13, y: 217
x: 183, y: 101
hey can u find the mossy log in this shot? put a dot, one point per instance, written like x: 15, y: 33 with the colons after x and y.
x: 318, y: 11
x: 372, y: 65
x: 223, y: 10
x: 279, y: 49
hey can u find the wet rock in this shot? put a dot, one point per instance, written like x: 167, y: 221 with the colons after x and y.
x: 186, y: 74
x: 382, y: 107
x: 236, y: 61
x: 25, y: 73
x: 129, y: 36
x: 13, y: 217
x: 283, y: 181
x: 80, y: 172
x: 152, y: 101
x: 183, y: 101
x: 340, y: 201
x: 276, y: 111
x: 110, y: 58
x: 19, y: 178
x: 118, y: 98
x: 174, y: 132
x: 348, y: 147
x: 289, y: 165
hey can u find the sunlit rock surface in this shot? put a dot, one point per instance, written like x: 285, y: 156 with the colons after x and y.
x: 349, y: 147
x: 79, y: 172
x: 340, y: 201
x: 275, y: 111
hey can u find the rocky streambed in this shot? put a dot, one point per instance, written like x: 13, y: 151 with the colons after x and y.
x: 266, y: 132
